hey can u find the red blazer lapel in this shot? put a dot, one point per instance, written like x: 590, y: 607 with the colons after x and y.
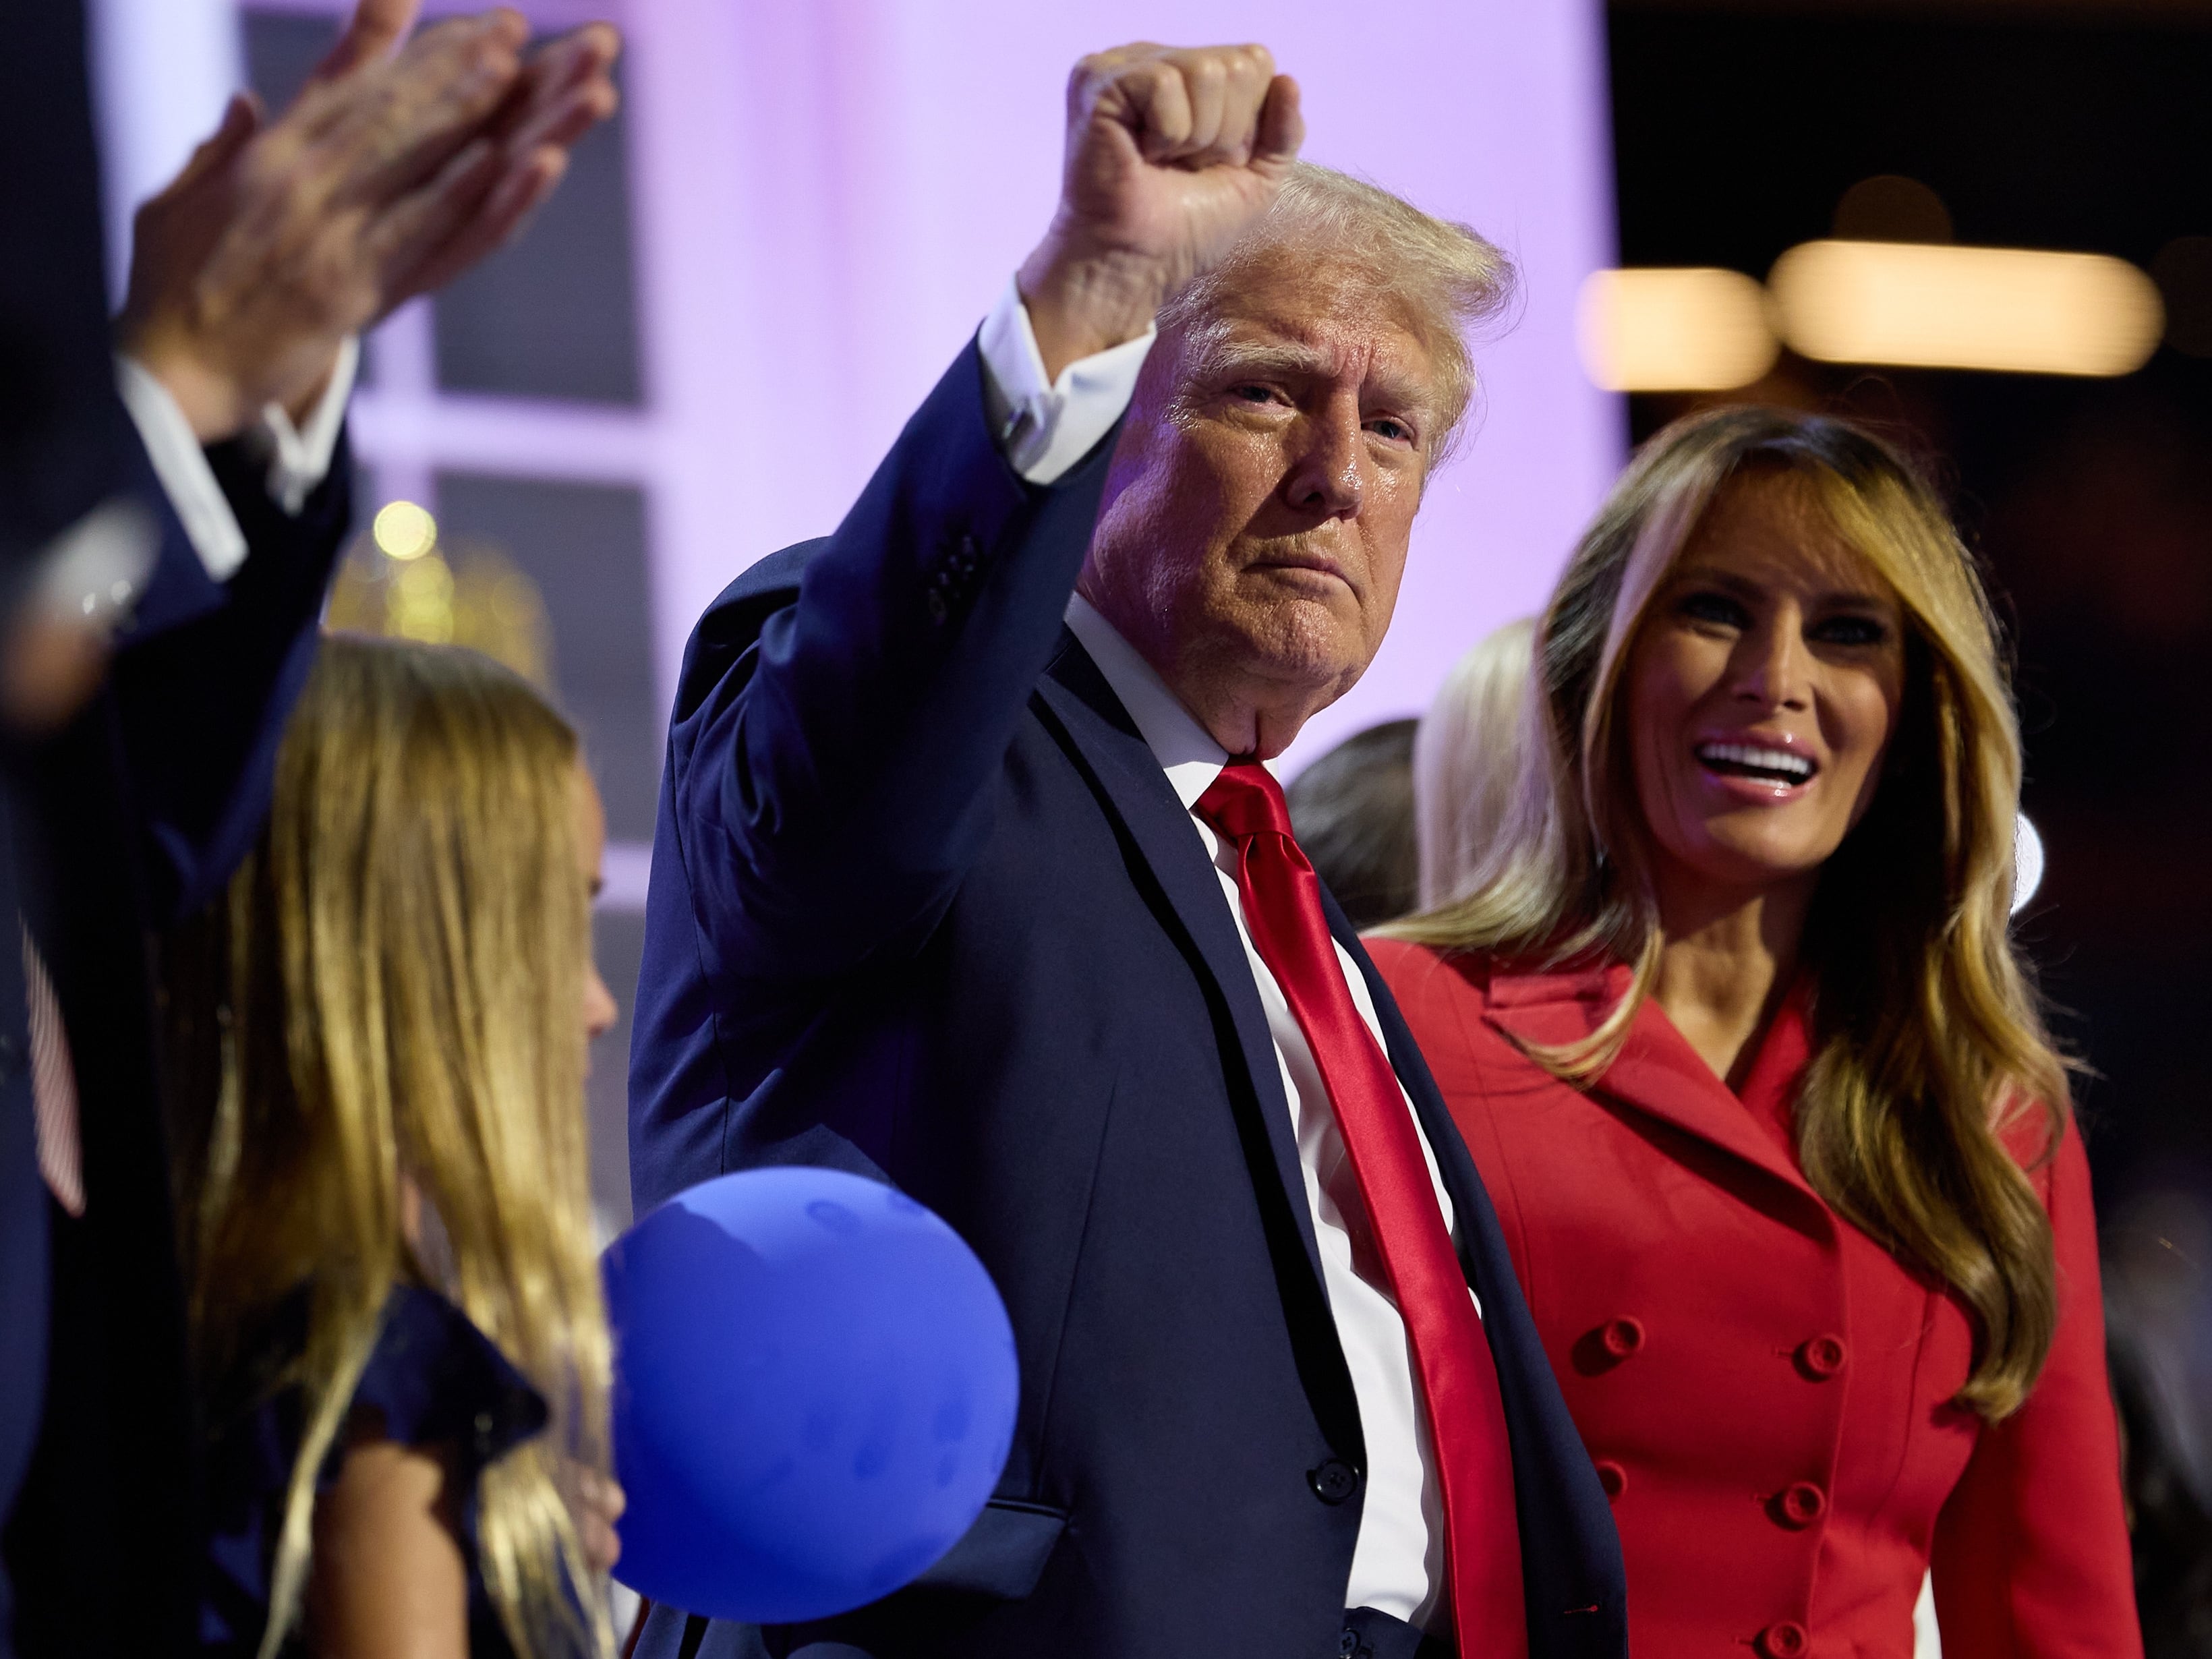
x: 1657, y: 1072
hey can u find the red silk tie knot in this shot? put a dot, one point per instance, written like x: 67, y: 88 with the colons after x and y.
x: 1245, y: 801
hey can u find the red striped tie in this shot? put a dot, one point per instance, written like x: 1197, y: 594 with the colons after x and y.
x: 1457, y: 1378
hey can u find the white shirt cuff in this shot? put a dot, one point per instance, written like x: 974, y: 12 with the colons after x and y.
x: 1042, y: 429
x: 298, y: 456
x: 186, y: 478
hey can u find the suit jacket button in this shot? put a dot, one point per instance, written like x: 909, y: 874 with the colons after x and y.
x: 935, y: 600
x: 1821, y: 1357
x: 1801, y: 1504
x: 1784, y: 1640
x: 1334, y: 1480
x: 1622, y: 1337
x: 1612, y: 1477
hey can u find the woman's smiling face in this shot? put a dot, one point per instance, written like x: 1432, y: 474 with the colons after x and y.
x: 1763, y: 690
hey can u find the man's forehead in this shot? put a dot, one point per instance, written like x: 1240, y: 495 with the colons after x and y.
x: 1328, y: 329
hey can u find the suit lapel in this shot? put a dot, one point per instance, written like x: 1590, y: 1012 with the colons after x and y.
x: 1657, y: 1072
x: 1083, y: 707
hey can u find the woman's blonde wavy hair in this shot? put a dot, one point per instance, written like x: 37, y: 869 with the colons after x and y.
x: 1929, y: 1040
x: 392, y: 994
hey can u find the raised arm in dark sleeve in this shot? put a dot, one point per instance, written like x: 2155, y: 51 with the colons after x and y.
x: 844, y: 705
x: 206, y: 676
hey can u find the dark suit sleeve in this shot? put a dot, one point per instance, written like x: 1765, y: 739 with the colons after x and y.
x: 65, y: 443
x: 208, y: 674
x: 828, y: 776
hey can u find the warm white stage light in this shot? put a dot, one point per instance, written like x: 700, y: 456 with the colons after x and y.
x: 1692, y: 329
x: 405, y: 530
x: 2027, y: 862
x: 1927, y: 305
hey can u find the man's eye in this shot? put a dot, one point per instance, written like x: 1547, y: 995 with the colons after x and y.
x: 1395, y: 431
x: 1851, y: 630
x: 1255, y: 394
x: 1716, y: 608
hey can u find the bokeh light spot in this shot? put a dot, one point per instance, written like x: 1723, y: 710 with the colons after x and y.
x: 405, y: 530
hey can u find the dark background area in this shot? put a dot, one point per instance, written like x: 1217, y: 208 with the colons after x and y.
x: 1737, y: 132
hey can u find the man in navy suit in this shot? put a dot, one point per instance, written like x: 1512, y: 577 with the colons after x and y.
x: 969, y: 876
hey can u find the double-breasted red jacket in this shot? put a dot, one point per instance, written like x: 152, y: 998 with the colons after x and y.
x: 1764, y: 1390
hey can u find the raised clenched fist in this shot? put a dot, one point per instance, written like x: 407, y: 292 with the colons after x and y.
x: 1172, y: 152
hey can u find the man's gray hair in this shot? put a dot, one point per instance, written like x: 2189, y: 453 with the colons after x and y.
x: 1440, y: 276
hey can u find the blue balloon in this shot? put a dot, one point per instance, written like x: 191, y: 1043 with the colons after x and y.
x: 815, y: 1387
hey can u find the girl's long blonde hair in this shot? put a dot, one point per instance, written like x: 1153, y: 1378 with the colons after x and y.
x: 391, y: 994
x: 1929, y: 1040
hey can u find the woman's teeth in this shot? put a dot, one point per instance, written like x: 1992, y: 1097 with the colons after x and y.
x: 1745, y: 760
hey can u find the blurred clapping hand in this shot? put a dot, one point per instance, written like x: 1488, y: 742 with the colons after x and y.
x: 398, y: 168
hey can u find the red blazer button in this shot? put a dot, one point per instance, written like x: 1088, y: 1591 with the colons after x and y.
x: 1822, y: 1357
x: 1784, y: 1640
x: 1803, y: 1504
x: 1612, y: 1478
x: 1622, y: 1337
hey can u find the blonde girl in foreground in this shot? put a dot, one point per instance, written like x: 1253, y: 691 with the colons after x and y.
x: 382, y: 1034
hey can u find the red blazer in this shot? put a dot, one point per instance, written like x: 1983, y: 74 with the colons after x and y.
x: 1762, y: 1386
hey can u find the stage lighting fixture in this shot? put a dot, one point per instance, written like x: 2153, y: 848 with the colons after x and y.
x: 1691, y: 329
x: 1928, y: 306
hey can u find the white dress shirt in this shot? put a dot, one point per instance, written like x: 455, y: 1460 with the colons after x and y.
x: 1397, y: 1562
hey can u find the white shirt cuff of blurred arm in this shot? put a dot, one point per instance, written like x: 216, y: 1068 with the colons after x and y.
x: 1043, y: 429
x: 298, y: 456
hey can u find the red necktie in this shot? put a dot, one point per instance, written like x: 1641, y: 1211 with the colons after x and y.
x: 1458, y: 1378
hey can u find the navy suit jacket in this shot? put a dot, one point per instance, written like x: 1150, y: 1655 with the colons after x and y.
x: 130, y: 817
x: 924, y: 906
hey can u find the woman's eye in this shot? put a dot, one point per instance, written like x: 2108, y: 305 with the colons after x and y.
x: 1717, y: 609
x: 1851, y: 630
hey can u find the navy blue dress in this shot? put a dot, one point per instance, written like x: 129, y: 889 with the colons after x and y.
x: 437, y: 1381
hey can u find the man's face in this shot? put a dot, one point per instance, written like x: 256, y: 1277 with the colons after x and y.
x: 1260, y: 503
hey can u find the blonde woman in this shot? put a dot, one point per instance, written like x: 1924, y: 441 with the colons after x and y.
x: 1731, y: 1020
x: 1466, y: 759
x: 395, y: 1299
